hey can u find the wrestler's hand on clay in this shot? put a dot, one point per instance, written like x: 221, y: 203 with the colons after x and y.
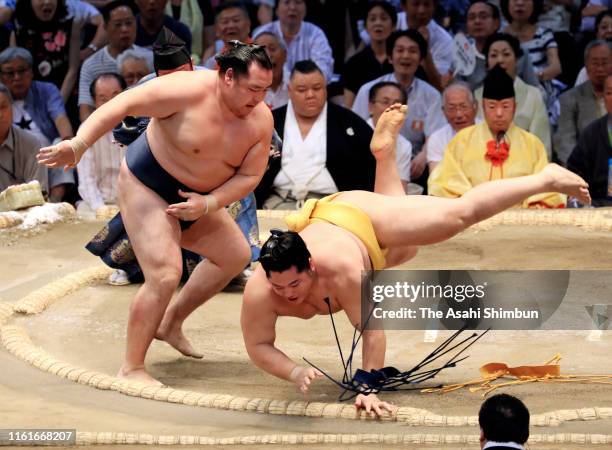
x: 59, y: 155
x: 303, y: 376
x: 372, y: 404
x: 195, y: 207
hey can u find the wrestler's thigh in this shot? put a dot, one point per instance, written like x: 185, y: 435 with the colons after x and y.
x: 408, y: 220
x: 154, y: 235
x: 217, y: 237
x: 399, y: 255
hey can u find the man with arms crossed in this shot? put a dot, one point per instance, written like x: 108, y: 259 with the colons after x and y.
x: 175, y: 181
x: 344, y: 234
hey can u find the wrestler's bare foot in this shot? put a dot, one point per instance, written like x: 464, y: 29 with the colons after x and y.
x: 387, y: 129
x: 175, y: 337
x: 566, y: 182
x: 137, y: 374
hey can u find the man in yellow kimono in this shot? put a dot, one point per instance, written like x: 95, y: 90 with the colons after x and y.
x: 493, y: 149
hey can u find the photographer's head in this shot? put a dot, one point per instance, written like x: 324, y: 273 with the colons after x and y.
x: 503, y: 419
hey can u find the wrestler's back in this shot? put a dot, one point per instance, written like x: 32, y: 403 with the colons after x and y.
x: 198, y: 145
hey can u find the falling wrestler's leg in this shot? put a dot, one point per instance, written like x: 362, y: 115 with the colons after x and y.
x: 412, y: 220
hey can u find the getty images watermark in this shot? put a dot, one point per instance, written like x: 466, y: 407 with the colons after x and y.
x: 503, y: 300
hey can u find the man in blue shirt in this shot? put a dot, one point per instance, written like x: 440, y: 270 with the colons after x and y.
x: 38, y: 108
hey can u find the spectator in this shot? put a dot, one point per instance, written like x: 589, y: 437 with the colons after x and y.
x: 18, y: 150
x: 504, y: 423
x: 483, y: 20
x: 522, y: 16
x: 99, y: 169
x: 152, y: 18
x: 438, y: 60
x: 38, y: 108
x: 383, y: 95
x: 325, y: 146
x: 52, y: 36
x: 371, y: 62
x: 133, y: 65
x: 590, y: 12
x: 459, y: 107
x: 406, y: 50
x: 121, y: 30
x: 603, y: 27
x: 303, y: 40
x: 278, y: 94
x: 493, y: 149
x: 198, y: 16
x: 231, y: 23
x: 583, y: 104
x: 87, y: 15
x: 591, y: 156
x: 504, y: 49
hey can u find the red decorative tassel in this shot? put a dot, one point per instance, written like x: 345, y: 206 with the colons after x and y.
x: 497, y: 153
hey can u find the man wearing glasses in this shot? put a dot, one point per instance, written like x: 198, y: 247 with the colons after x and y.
x: 334, y: 239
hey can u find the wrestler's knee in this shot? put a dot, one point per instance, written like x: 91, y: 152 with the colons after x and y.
x: 164, y: 281
x: 239, y: 256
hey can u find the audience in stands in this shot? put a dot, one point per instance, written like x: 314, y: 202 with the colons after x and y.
x: 120, y: 19
x: 37, y: 108
x: 593, y: 152
x: 583, y: 104
x: 278, y: 94
x: 18, y: 150
x: 459, y: 107
x: 504, y: 49
x: 493, y: 149
x: 326, y: 148
x: 99, y: 167
x: 373, y: 61
x: 302, y: 39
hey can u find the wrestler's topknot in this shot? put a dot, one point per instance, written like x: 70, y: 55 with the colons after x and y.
x: 283, y: 250
x: 239, y: 56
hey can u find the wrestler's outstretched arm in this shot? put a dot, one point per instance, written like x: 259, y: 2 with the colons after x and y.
x: 258, y: 321
x: 374, y: 342
x: 160, y: 97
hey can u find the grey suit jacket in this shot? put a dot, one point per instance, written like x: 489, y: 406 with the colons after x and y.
x: 578, y: 109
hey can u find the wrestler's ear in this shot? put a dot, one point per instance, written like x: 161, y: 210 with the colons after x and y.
x: 229, y: 76
x: 311, y: 265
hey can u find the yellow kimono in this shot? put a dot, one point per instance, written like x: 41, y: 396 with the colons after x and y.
x: 465, y: 165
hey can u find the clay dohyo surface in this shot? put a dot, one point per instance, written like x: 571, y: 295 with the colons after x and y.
x: 87, y: 328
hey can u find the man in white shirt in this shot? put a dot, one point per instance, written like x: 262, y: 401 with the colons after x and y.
x: 460, y: 108
x: 504, y: 423
x: 303, y: 40
x: 406, y: 50
x: 278, y: 94
x: 121, y: 30
x: 325, y: 146
x: 98, y: 170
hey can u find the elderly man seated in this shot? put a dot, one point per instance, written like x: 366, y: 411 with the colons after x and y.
x: 134, y: 64
x: 325, y: 146
x: 493, y: 149
x: 98, y: 170
x: 591, y: 156
x: 39, y: 109
x: 18, y: 149
x: 459, y: 107
x: 583, y: 104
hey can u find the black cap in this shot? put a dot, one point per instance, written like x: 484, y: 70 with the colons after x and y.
x: 498, y: 85
x: 169, y: 51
